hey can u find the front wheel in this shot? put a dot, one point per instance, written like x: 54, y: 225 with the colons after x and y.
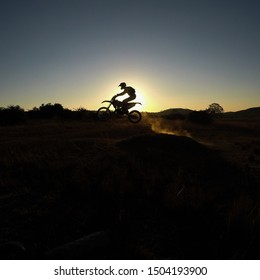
x: 134, y: 116
x: 103, y: 114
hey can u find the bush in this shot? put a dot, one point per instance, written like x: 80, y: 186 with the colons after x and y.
x: 16, y: 115
x: 12, y: 115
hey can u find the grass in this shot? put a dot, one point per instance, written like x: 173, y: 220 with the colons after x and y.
x: 161, y: 196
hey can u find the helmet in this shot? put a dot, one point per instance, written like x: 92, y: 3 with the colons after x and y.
x: 122, y: 85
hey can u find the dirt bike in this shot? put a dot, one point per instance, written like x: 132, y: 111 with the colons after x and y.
x: 105, y: 113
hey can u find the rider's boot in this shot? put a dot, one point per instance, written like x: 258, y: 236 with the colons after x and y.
x: 124, y: 108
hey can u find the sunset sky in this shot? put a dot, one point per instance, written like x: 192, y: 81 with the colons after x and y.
x: 176, y: 53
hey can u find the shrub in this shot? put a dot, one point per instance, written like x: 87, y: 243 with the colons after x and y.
x: 12, y: 115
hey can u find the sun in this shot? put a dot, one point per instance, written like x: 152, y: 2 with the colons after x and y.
x: 148, y: 104
x: 144, y: 93
x: 140, y: 98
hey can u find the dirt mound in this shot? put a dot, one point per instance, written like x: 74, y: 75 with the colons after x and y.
x: 160, y: 140
x: 168, y: 156
x: 163, y: 147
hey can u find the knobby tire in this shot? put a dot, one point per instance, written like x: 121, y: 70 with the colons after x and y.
x: 103, y: 114
x: 134, y: 116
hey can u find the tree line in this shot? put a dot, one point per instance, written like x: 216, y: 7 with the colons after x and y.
x: 14, y: 114
x: 205, y: 117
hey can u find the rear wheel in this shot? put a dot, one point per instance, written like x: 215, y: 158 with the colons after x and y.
x: 134, y: 116
x: 103, y: 114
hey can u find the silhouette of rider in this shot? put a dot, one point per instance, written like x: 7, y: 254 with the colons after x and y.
x: 126, y: 90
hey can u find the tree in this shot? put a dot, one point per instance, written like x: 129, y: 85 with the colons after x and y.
x: 13, y: 114
x: 51, y: 110
x: 215, y: 109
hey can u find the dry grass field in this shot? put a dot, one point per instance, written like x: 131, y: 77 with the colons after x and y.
x: 160, y: 189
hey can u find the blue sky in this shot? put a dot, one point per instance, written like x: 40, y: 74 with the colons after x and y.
x: 182, y: 53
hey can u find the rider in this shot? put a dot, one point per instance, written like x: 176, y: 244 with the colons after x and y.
x: 130, y: 91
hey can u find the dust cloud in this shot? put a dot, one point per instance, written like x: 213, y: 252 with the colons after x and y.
x: 159, y: 125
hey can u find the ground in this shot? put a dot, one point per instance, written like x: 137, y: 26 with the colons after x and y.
x: 158, y: 189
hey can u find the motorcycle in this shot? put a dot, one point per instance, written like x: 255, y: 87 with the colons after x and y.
x: 105, y: 113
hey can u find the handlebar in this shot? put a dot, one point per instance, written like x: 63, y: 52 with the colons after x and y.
x: 113, y: 99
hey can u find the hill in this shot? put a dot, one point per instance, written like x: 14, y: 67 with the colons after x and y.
x: 247, y: 113
x: 173, y: 111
